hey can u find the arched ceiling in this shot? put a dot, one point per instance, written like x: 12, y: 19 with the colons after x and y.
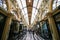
x: 29, y: 4
x: 30, y: 8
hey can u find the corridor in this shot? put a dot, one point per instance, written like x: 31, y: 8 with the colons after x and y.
x: 31, y: 36
x: 29, y: 19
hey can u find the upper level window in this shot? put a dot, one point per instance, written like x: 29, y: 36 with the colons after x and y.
x: 3, y: 4
x: 56, y: 3
x: 0, y: 3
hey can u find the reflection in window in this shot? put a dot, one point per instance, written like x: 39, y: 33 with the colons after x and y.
x: 45, y: 33
x: 1, y: 18
x: 57, y: 21
x: 58, y: 26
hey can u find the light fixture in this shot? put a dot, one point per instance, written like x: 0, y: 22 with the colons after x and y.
x: 29, y: 0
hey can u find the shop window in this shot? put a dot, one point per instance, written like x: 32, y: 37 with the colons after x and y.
x: 2, y: 23
x: 13, y: 30
x: 46, y: 31
x: 57, y: 21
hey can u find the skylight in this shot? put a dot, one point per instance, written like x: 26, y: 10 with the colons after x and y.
x: 22, y: 5
x: 19, y: 3
x: 39, y: 3
x: 35, y: 3
x: 56, y: 3
x: 36, y: 6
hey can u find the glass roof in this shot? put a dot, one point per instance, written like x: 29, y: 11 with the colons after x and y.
x: 22, y: 5
x: 36, y: 5
x: 35, y: 8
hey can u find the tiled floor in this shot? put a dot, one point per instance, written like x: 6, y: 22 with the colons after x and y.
x: 31, y: 36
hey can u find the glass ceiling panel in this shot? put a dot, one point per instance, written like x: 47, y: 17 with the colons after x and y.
x: 26, y: 18
x: 19, y: 3
x: 35, y: 3
x: 33, y: 15
x: 33, y: 11
x: 31, y: 20
x: 22, y: 11
x: 25, y: 10
x: 25, y: 15
x: 23, y: 3
x: 36, y: 12
x: 39, y: 3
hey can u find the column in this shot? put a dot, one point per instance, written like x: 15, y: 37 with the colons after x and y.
x: 6, y: 28
x: 9, y: 6
x: 51, y: 5
x: 53, y: 28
